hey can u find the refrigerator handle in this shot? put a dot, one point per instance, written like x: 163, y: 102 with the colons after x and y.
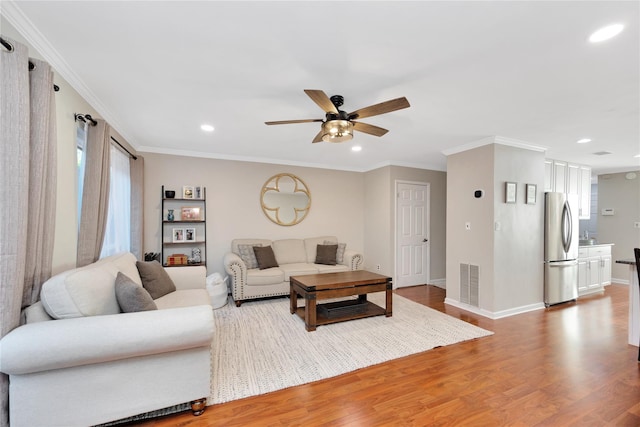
x: 567, y: 227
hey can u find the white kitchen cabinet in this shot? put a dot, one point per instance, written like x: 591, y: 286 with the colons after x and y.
x: 548, y: 176
x: 565, y: 177
x: 559, y: 176
x: 585, y: 192
x: 573, y: 179
x: 594, y: 268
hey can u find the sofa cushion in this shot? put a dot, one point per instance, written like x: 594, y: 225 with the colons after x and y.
x: 132, y: 297
x: 298, y: 269
x: 154, y: 279
x: 331, y: 268
x: 86, y: 291
x: 184, y: 298
x: 247, y: 255
x: 340, y: 252
x: 265, y: 257
x: 311, y: 245
x: 326, y: 254
x: 270, y: 276
x: 289, y: 251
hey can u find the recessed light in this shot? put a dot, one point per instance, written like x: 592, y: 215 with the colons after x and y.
x: 637, y: 155
x: 207, y: 128
x: 606, y: 33
x: 583, y: 141
x: 356, y: 148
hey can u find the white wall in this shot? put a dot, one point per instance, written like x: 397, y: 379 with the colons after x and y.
x: 622, y: 194
x: 233, y: 202
x: 509, y: 259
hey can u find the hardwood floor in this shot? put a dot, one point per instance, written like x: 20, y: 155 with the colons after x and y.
x: 569, y: 365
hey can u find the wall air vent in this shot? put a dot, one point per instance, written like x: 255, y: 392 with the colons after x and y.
x: 601, y: 153
x: 470, y: 284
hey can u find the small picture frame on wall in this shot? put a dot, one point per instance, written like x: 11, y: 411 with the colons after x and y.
x: 510, y: 190
x: 531, y: 194
x: 187, y: 192
x: 190, y: 234
x: 178, y: 235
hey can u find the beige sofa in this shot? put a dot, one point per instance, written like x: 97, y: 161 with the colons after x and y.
x: 95, y: 364
x: 294, y: 257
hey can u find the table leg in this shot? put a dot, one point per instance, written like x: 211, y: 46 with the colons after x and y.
x: 310, y: 312
x: 389, y: 301
x: 293, y: 300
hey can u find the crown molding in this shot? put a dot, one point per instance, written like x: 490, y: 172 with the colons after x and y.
x: 495, y: 139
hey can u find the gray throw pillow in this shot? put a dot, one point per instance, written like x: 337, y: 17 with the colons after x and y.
x: 131, y: 296
x: 155, y: 279
x: 340, y: 252
x: 265, y: 257
x: 326, y: 254
x: 248, y: 256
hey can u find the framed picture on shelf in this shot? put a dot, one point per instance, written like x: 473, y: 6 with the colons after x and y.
x: 198, y: 192
x: 510, y: 192
x: 178, y: 235
x: 190, y: 234
x: 190, y: 213
x: 531, y: 194
x: 187, y: 192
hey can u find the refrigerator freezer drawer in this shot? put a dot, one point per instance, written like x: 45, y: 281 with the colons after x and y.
x: 560, y: 281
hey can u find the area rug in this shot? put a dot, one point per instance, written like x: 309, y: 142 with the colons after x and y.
x: 260, y: 347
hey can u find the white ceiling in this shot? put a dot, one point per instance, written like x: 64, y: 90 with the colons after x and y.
x: 521, y: 70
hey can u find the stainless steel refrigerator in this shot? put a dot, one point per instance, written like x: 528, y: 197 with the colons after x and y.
x: 560, y: 248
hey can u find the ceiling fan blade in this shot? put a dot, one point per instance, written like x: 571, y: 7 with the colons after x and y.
x: 383, y: 107
x: 286, y: 122
x: 370, y: 129
x: 318, y: 137
x: 323, y: 101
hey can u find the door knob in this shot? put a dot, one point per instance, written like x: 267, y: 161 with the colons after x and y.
x: 425, y: 240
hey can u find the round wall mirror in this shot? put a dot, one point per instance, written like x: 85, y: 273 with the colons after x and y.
x: 285, y: 199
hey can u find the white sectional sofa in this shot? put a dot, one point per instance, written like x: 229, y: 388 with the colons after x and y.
x: 293, y: 256
x: 80, y: 361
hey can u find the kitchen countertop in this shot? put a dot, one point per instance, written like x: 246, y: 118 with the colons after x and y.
x: 596, y: 245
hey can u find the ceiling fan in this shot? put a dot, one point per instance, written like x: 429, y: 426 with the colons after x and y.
x: 338, y: 125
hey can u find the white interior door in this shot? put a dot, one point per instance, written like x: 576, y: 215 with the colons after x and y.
x: 412, y: 234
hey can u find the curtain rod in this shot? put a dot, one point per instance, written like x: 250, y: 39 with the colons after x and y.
x: 127, y: 151
x: 32, y: 66
x: 86, y: 118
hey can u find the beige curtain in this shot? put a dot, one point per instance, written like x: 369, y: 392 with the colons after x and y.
x: 42, y: 182
x: 137, y: 212
x: 28, y: 189
x: 95, y: 195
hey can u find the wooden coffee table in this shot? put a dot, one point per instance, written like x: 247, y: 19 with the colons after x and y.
x: 315, y: 287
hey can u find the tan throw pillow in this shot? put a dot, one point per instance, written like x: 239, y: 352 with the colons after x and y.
x: 265, y: 257
x: 326, y: 254
x: 248, y: 256
x: 340, y: 252
x: 131, y: 296
x: 155, y: 279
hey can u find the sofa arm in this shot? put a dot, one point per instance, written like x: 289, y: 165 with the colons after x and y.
x: 236, y: 269
x: 188, y: 277
x: 80, y: 341
x: 353, y: 260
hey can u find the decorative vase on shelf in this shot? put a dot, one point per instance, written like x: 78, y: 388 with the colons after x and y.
x: 170, y: 216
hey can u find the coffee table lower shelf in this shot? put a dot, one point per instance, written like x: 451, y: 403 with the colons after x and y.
x: 341, y: 311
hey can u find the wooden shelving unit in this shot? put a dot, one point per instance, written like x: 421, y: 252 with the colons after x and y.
x: 188, y: 228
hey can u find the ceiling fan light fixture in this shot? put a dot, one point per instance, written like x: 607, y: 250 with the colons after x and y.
x: 337, y: 131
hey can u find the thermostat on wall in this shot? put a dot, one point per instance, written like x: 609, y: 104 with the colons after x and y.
x: 608, y: 211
